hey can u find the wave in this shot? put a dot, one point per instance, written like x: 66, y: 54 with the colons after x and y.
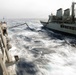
x: 41, y: 51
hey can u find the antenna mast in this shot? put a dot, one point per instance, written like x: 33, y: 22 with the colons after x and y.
x: 73, y: 14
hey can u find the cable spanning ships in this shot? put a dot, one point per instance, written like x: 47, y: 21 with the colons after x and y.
x: 60, y: 22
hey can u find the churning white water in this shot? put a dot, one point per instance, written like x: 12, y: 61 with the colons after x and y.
x: 41, y: 51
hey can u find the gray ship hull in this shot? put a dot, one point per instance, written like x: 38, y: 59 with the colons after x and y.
x: 61, y: 28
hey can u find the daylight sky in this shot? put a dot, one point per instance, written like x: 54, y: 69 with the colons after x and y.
x: 31, y: 8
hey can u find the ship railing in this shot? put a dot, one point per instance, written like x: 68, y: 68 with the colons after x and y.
x: 4, y: 55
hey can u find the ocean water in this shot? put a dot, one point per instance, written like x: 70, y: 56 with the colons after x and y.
x: 41, y: 51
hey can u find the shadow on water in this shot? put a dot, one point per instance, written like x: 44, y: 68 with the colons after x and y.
x: 29, y: 28
x: 69, y: 39
x: 26, y: 68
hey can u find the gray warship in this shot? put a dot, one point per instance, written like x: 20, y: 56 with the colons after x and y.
x: 62, y: 22
x: 6, y: 62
